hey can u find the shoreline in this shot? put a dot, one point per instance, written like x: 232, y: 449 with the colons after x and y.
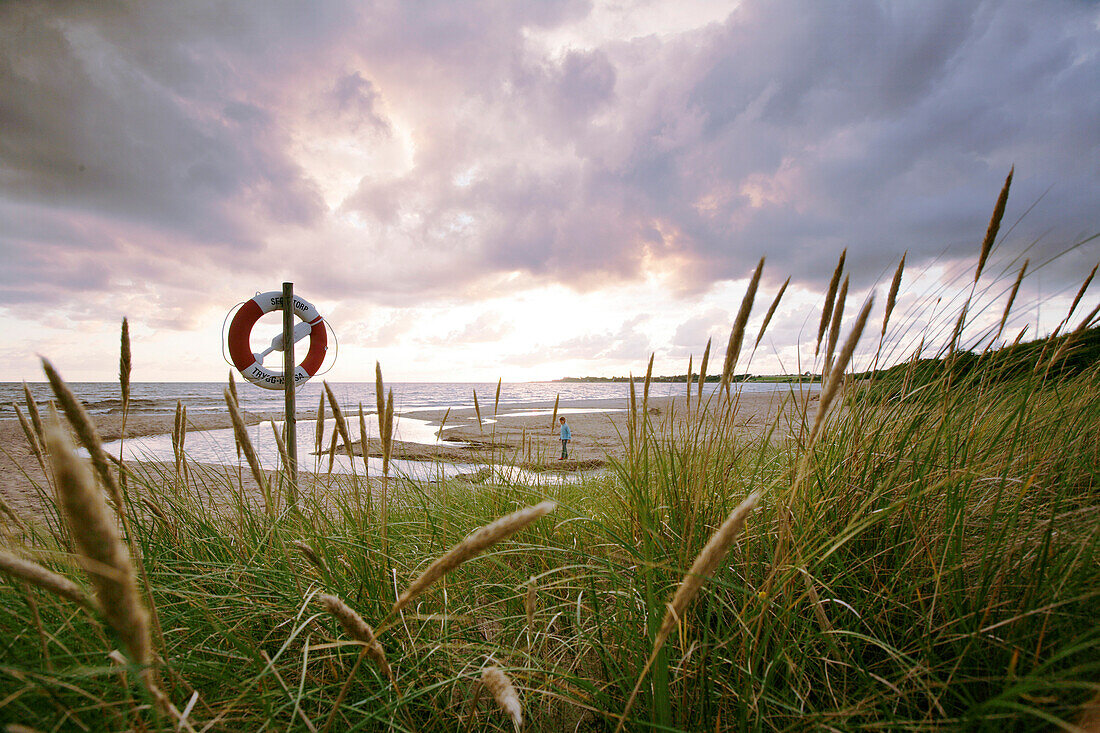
x: 518, y: 435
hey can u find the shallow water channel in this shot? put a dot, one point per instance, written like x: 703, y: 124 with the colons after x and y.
x: 218, y: 447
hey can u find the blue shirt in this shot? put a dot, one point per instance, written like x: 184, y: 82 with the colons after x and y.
x: 565, y: 434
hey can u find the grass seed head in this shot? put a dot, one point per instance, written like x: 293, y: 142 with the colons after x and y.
x: 771, y: 311
x: 476, y: 542
x: 994, y: 225
x: 706, y: 562
x: 504, y: 693
x: 98, y: 541
x: 31, y: 436
x: 355, y: 627
x: 86, y: 431
x: 737, y: 333
x: 32, y: 410
x: 387, y: 434
x: 125, y: 366
x: 319, y: 426
x: 1076, y: 299
x: 703, y: 370
x: 310, y: 554
x: 379, y: 395
x: 35, y: 574
x: 830, y: 294
x: 241, y: 433
x: 1012, y: 299
x: 892, y: 297
x: 836, y: 376
x: 834, y: 325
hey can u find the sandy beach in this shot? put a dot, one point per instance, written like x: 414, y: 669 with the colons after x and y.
x: 515, y: 436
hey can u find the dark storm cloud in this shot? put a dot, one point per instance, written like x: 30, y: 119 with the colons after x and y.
x: 792, y: 129
x: 795, y: 129
x: 105, y: 110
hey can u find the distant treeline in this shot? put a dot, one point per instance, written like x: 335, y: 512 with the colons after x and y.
x: 1082, y: 352
x: 1054, y: 356
x: 681, y: 378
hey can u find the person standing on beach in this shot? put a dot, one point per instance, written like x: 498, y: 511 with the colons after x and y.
x: 566, y: 434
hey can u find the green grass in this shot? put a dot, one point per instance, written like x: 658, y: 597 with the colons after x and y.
x: 952, y: 544
x: 937, y: 566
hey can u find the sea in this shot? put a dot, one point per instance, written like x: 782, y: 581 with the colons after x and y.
x: 410, y: 398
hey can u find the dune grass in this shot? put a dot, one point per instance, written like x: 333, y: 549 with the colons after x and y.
x: 919, y: 557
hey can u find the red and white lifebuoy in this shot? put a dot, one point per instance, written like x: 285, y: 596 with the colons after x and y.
x: 249, y: 365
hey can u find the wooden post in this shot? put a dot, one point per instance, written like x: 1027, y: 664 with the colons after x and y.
x: 289, y: 365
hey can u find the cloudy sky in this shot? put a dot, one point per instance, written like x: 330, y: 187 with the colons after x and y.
x: 470, y: 189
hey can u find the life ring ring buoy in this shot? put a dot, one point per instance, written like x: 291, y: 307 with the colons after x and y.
x: 240, y: 350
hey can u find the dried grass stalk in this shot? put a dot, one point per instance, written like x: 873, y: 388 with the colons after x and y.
x: 125, y: 366
x: 341, y: 424
x: 241, y: 433
x: 236, y: 401
x: 530, y: 602
x: 956, y: 332
x: 632, y: 417
x: 364, y: 446
x: 1012, y: 299
x: 687, y: 382
x: 86, y: 432
x: 98, y: 541
x: 1070, y: 337
x: 32, y: 410
x: 994, y: 225
x: 645, y: 387
x: 387, y: 434
x: 477, y: 410
x: 177, y: 427
x: 281, y: 445
x: 1081, y: 292
x: 379, y: 396
x: 554, y: 416
x: 892, y: 296
x: 706, y: 562
x: 836, y: 376
x: 35, y: 574
x: 496, y: 402
x: 737, y: 333
x: 32, y: 438
x: 155, y: 508
x: 443, y: 423
x: 355, y: 627
x: 771, y: 312
x: 815, y: 601
x: 12, y: 514
x: 704, y: 566
x: 233, y: 388
x: 319, y: 427
x: 310, y: 554
x: 504, y: 693
x: 183, y: 432
x: 834, y: 326
x: 703, y: 370
x: 476, y: 542
x: 331, y: 452
x: 830, y: 294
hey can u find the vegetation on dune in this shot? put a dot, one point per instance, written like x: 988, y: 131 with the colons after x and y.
x: 922, y: 553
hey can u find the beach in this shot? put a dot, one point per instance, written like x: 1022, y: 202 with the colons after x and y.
x: 518, y: 434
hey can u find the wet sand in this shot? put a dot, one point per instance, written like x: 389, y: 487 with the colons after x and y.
x: 599, y: 431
